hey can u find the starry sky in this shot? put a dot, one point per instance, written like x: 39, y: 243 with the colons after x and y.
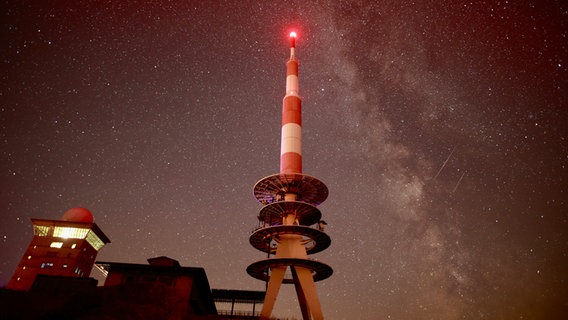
x: 440, y: 129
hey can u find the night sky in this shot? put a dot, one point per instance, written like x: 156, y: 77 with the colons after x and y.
x: 439, y: 127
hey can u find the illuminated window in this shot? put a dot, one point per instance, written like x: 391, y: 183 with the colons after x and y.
x: 47, y: 265
x: 41, y: 231
x: 73, y: 246
x: 65, y: 265
x: 95, y: 241
x: 29, y: 257
x: 56, y: 244
x: 70, y: 232
x: 24, y: 267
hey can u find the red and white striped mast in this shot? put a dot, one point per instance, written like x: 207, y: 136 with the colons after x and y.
x: 291, y: 144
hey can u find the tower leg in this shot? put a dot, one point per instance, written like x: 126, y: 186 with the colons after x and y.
x: 276, y: 278
x: 301, y: 295
x: 308, y: 288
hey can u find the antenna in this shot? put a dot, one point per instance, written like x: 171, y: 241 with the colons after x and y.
x: 290, y: 200
x: 292, y: 45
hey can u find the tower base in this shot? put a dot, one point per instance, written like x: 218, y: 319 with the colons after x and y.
x: 305, y: 289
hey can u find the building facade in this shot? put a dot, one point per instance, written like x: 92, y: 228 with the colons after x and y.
x: 66, y: 247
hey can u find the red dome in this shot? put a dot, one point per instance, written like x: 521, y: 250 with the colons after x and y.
x: 78, y: 215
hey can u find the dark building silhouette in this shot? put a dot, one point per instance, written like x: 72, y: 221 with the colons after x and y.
x: 52, y: 281
x: 188, y: 293
x: 189, y: 296
x: 161, y: 289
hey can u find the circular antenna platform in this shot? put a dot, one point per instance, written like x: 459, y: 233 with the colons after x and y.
x: 305, y: 213
x: 261, y: 269
x: 307, y: 188
x: 314, y: 239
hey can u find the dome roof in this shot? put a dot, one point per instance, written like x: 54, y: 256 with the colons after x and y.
x: 78, y: 214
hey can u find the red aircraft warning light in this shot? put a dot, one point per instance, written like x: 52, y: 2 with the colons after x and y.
x: 293, y: 39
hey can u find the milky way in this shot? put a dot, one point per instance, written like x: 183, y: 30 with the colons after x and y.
x: 440, y: 130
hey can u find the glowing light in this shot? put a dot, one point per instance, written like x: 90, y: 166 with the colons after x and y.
x: 56, y: 245
x: 292, y: 34
x: 70, y: 232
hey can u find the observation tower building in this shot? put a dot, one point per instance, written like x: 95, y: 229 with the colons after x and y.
x: 290, y: 225
x: 67, y: 247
